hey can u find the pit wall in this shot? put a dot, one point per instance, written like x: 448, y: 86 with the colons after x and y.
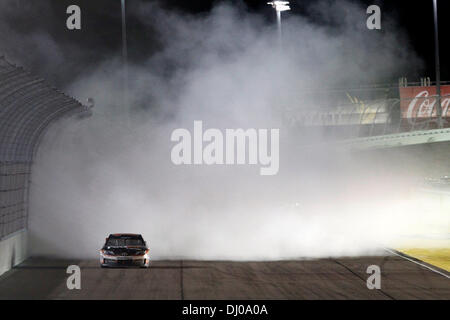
x: 13, y: 250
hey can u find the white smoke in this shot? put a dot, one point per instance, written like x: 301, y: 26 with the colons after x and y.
x: 112, y: 173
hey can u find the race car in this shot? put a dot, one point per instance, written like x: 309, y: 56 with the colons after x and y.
x: 125, y: 250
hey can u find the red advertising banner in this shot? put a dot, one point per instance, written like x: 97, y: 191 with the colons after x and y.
x: 420, y: 102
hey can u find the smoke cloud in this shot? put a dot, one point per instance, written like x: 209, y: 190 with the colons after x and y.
x: 112, y: 172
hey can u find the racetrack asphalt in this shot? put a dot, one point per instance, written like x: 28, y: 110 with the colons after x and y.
x: 332, y: 278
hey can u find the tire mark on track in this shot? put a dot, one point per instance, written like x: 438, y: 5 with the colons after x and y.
x: 364, y: 280
x: 181, y: 280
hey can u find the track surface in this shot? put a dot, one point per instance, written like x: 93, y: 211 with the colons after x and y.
x: 343, y: 278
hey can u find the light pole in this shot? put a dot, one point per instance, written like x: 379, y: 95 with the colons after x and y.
x: 124, y: 56
x: 437, y: 65
x: 279, y: 6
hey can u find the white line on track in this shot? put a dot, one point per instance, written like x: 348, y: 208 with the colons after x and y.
x: 416, y: 262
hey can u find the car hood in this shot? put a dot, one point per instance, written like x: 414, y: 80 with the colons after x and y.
x: 126, y: 250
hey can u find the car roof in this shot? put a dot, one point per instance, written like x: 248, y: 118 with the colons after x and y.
x: 125, y: 235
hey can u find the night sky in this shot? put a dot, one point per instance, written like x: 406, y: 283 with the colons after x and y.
x: 100, y: 36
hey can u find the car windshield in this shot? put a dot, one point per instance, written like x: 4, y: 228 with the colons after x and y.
x: 124, y: 242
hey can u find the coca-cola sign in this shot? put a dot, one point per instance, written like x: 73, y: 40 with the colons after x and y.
x: 420, y: 102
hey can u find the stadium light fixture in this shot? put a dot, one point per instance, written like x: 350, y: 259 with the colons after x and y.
x: 280, y: 5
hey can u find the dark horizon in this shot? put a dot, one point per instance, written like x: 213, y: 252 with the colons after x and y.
x: 100, y: 37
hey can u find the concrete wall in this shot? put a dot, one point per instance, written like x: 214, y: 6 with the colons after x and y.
x: 13, y: 250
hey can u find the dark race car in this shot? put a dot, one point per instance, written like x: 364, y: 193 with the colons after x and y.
x: 125, y: 250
